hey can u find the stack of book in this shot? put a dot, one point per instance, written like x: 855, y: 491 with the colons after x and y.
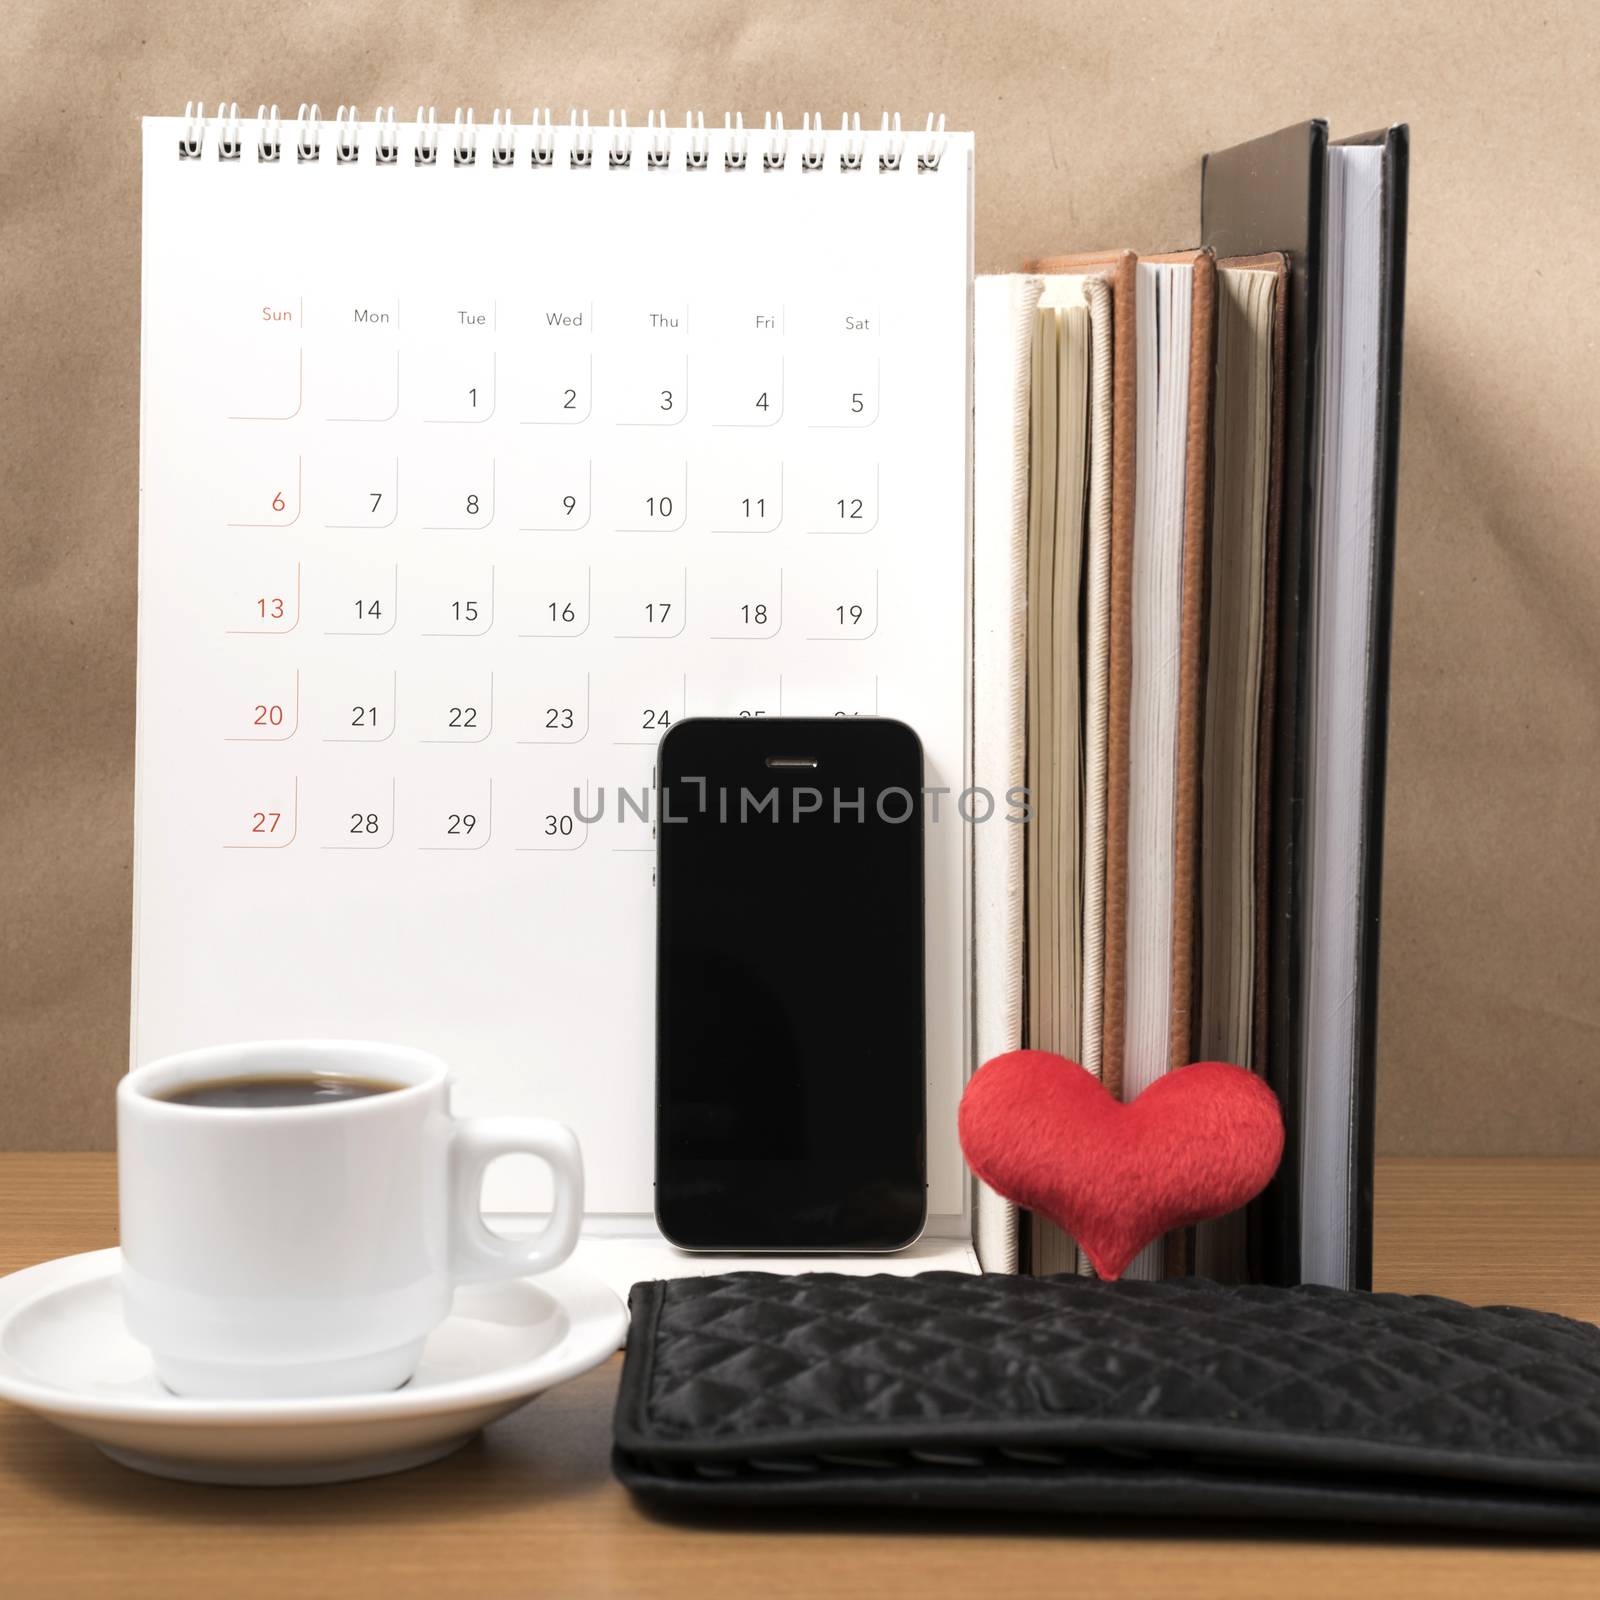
x: 1185, y: 472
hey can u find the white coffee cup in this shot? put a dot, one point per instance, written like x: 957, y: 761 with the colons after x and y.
x: 310, y: 1249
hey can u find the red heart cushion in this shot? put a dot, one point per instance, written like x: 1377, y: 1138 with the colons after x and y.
x: 1198, y: 1143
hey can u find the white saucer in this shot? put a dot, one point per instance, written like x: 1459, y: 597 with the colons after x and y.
x: 65, y: 1353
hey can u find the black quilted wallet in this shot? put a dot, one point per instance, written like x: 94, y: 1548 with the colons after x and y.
x: 1071, y: 1396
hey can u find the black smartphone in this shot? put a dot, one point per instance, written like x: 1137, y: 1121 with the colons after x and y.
x: 790, y: 1098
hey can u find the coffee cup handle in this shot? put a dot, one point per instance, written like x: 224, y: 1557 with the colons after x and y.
x: 478, y: 1253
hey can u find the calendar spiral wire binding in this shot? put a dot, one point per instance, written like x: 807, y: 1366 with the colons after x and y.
x: 813, y: 142
x: 308, y: 134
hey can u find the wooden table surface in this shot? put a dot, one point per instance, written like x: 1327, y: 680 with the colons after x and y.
x: 530, y: 1508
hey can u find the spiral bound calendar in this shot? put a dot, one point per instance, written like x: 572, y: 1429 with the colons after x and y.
x: 472, y: 458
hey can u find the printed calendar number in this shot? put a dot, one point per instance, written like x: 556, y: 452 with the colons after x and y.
x: 357, y: 490
x: 744, y: 369
x: 649, y: 605
x: 456, y: 709
x: 549, y: 372
x: 263, y: 597
x: 641, y: 716
x: 458, y: 493
x: 552, y: 493
x: 651, y: 390
x: 258, y: 704
x: 546, y: 817
x: 844, y: 499
x: 746, y: 392
x: 553, y: 602
x: 558, y: 389
x: 748, y: 499
x: 739, y: 602
x: 456, y: 384
x: 651, y: 497
x: 451, y: 814
x: 549, y: 703
x: 843, y: 607
x: 260, y: 814
x: 663, y: 511
x: 457, y: 602
x: 263, y: 493
x: 352, y: 597
x: 351, y: 814
x: 844, y: 390
x: 356, y: 704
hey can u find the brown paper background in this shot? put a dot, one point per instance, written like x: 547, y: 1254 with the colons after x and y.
x: 1091, y: 119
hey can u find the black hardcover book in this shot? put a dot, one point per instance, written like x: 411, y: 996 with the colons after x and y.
x: 1272, y: 194
x: 1395, y: 146
x: 1255, y: 197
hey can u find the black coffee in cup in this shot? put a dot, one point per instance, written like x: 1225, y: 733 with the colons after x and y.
x: 268, y: 1093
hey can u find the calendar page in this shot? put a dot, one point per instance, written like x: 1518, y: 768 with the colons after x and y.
x: 467, y: 469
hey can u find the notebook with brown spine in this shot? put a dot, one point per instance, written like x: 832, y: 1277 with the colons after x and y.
x: 1165, y: 338
x: 1237, y: 743
x: 1118, y: 269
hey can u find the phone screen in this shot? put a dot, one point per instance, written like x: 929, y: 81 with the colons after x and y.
x: 789, y: 1000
